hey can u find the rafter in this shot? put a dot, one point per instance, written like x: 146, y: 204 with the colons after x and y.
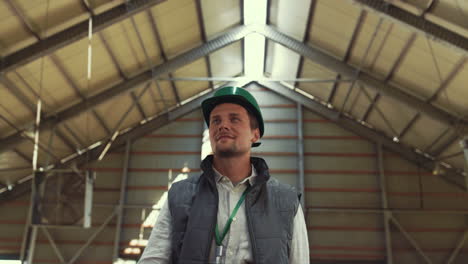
x: 344, y: 69
x: 452, y: 175
x: 131, y: 134
x: 224, y: 40
x: 418, y: 23
x: 74, y: 33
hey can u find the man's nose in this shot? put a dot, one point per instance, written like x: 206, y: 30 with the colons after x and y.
x: 223, y: 125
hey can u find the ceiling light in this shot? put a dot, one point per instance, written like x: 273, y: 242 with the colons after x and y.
x: 254, y: 44
x: 255, y: 12
x: 254, y: 55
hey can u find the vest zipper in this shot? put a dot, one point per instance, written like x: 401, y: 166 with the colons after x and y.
x: 213, y: 224
x: 251, y: 230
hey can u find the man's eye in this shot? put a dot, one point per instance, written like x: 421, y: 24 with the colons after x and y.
x: 215, y: 121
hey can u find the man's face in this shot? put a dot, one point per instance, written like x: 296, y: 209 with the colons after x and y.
x: 230, y: 132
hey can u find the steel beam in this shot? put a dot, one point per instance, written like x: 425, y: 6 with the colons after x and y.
x: 30, y: 105
x: 24, y: 20
x: 457, y: 248
x: 361, y: 66
x: 54, y: 246
x: 300, y: 154
x: 229, y: 37
x: 201, y: 26
x: 456, y: 69
x: 391, y: 72
x: 334, y: 88
x: 357, y: 29
x: 91, y: 238
x: 347, y: 54
x: 409, y: 125
x: 381, y: 46
x: 72, y: 34
x: 305, y: 37
x: 452, y: 175
x: 418, y: 23
x: 143, y: 129
x: 75, y: 88
x: 121, y: 73
x: 330, y: 62
x: 32, y: 245
x: 140, y: 109
x: 370, y: 107
x: 437, y: 152
x: 401, y: 57
x: 23, y: 156
x: 383, y: 194
x: 87, y: 6
x: 411, y: 240
x: 437, y: 140
x: 154, y: 27
x: 150, y: 66
x: 122, y: 198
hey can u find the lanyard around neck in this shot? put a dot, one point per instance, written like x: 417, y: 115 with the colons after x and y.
x: 219, y: 238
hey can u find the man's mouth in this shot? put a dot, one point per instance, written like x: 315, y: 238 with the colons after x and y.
x: 223, y: 137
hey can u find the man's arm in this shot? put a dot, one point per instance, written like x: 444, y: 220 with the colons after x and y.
x: 158, y: 250
x: 300, y: 243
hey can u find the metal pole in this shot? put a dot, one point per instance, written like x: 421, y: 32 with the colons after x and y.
x: 460, y: 244
x: 88, y: 199
x: 52, y: 243
x: 464, y: 145
x: 120, y: 207
x: 300, y: 152
x: 26, y: 233
x: 33, y: 205
x: 411, y: 240
x: 32, y: 245
x: 91, y: 238
x: 386, y: 214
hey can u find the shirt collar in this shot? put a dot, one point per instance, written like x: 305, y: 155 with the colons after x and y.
x: 251, y: 178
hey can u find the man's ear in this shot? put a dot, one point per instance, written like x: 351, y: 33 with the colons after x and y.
x: 256, y: 135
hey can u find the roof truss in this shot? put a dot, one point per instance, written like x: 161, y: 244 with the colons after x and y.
x: 417, y: 22
x: 52, y: 43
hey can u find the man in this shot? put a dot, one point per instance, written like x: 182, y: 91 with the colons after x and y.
x: 234, y: 212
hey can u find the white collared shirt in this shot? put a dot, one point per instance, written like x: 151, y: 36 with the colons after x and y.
x: 236, y: 244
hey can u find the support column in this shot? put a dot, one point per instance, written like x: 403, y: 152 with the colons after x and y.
x: 386, y: 213
x: 91, y: 239
x: 120, y: 207
x: 300, y: 155
x: 464, y: 145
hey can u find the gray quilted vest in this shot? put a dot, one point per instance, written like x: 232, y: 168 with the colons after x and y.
x: 270, y: 209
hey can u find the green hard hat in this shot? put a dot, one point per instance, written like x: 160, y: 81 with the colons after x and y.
x: 234, y: 95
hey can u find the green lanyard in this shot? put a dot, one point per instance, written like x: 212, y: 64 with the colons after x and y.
x: 219, y: 239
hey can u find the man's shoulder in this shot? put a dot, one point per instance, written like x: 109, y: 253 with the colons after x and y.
x: 186, y: 183
x: 275, y: 183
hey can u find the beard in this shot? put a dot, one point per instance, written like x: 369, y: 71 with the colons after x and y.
x: 228, y: 151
